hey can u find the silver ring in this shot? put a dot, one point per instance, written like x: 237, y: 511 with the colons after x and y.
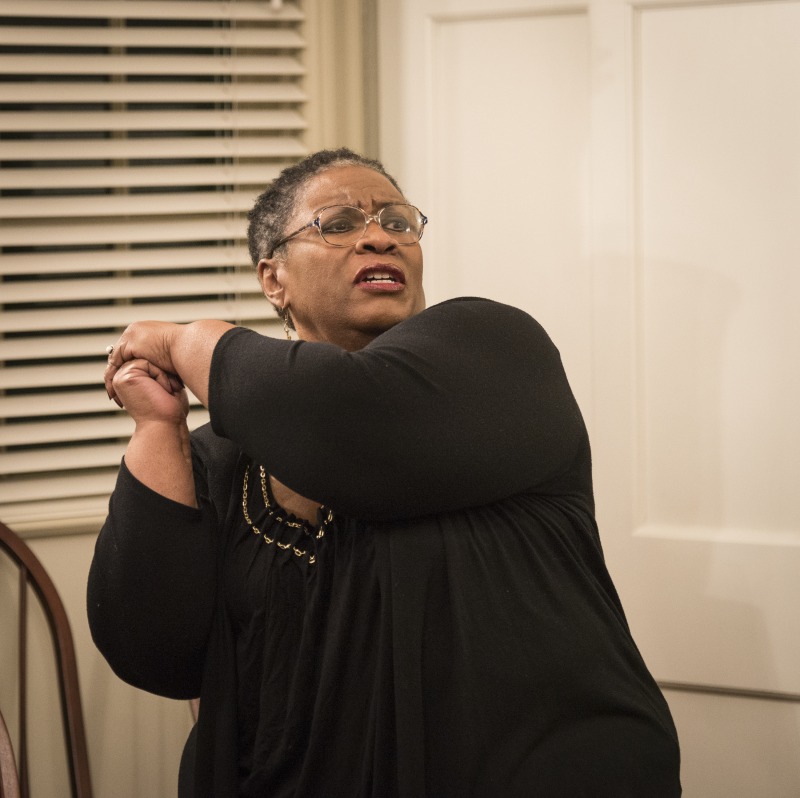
x: 109, y: 350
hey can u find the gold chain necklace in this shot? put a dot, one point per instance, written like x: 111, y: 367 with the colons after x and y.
x: 271, y: 513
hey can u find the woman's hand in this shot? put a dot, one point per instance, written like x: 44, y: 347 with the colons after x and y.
x: 149, y: 393
x: 184, y: 350
x: 151, y: 341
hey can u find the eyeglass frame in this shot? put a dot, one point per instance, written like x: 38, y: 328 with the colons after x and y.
x: 374, y: 217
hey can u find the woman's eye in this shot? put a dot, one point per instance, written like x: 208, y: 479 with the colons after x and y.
x: 395, y: 224
x: 339, y: 224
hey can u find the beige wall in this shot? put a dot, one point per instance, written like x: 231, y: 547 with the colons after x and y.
x: 134, y: 738
x: 737, y: 747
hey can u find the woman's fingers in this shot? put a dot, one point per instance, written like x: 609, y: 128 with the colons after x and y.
x: 116, y: 359
x: 131, y: 385
x: 108, y: 381
x: 145, y: 340
x: 142, y: 340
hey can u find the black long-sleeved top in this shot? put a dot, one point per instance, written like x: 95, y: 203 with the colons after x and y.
x: 449, y: 627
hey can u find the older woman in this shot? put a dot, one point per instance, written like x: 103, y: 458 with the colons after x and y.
x: 378, y: 566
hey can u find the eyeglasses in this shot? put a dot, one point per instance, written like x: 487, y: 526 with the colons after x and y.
x: 343, y: 225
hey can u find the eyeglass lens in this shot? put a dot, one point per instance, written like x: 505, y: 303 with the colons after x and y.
x: 341, y: 225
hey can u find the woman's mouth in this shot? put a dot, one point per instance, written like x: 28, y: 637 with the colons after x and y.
x: 380, y: 277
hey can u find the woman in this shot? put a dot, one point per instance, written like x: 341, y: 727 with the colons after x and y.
x: 378, y: 566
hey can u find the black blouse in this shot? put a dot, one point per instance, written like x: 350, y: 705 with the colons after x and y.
x: 447, y: 628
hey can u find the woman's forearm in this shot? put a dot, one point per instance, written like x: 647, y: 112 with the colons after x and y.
x: 192, y: 349
x: 438, y: 413
x: 159, y: 456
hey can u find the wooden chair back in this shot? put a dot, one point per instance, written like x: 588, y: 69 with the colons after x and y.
x: 33, y: 575
x: 9, y: 778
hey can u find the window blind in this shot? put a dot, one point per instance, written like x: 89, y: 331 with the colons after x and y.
x: 134, y: 136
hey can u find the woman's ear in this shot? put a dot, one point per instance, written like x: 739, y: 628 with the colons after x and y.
x: 270, y: 283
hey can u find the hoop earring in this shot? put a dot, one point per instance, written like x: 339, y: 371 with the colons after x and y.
x: 286, y: 328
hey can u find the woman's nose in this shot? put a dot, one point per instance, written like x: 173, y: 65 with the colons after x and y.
x: 376, y: 239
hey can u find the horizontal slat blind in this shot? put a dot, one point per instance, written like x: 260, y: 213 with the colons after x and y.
x: 134, y: 136
x: 146, y: 92
x: 152, y: 120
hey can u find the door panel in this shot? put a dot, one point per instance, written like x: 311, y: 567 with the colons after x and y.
x: 717, y: 381
x: 505, y: 179
x: 629, y: 174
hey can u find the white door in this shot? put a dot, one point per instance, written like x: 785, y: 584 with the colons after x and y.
x: 630, y: 175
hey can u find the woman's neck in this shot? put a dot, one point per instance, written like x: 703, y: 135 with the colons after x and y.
x: 293, y: 502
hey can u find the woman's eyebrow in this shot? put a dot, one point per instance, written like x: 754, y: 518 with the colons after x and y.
x: 373, y: 203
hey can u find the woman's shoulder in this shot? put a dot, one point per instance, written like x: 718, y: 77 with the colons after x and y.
x: 482, y: 311
x: 475, y: 304
x: 475, y: 318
